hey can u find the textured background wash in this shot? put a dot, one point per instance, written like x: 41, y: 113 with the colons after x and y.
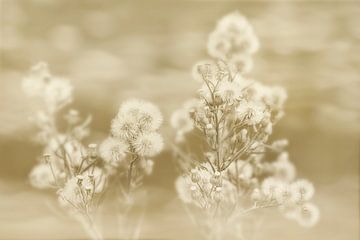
x: 112, y: 50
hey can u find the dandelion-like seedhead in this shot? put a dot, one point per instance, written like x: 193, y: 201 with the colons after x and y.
x: 233, y: 40
x: 80, y: 175
x: 235, y: 117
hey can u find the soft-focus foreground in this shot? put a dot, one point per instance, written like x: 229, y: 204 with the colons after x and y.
x: 112, y: 51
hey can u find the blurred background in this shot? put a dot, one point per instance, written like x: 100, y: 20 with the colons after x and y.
x: 113, y: 50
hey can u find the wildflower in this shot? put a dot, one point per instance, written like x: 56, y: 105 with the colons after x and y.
x: 124, y: 127
x: 284, y: 194
x: 218, y: 45
x: 148, y: 144
x: 145, y: 114
x: 113, y: 150
x: 250, y: 112
x: 241, y: 63
x: 269, y: 186
x: 308, y: 215
x: 232, y: 35
x: 42, y: 177
x: 205, y: 70
x: 229, y: 91
x: 303, y: 189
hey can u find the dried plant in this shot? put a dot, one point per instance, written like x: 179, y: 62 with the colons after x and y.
x: 238, y: 171
x: 81, y: 176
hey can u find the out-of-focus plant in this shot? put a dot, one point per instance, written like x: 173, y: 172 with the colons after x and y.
x: 238, y: 171
x: 81, y: 175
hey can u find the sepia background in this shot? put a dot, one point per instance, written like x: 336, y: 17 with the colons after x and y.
x: 113, y: 50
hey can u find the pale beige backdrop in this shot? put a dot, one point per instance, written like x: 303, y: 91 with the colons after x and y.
x: 112, y: 50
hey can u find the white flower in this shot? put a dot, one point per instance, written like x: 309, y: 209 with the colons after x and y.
x: 148, y: 144
x: 41, y: 176
x: 205, y: 70
x: 241, y: 63
x: 284, y: 194
x: 308, y: 215
x: 145, y: 114
x: 124, y: 127
x: 219, y: 45
x: 113, y: 150
x: 229, y: 91
x: 303, y: 189
x: 232, y: 35
x: 269, y: 186
x: 78, y: 191
x: 284, y: 169
x: 250, y: 112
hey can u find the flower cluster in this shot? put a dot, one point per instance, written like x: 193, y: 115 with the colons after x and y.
x: 235, y: 117
x: 54, y: 91
x: 80, y: 175
x: 67, y: 166
x: 134, y: 140
x: 234, y: 41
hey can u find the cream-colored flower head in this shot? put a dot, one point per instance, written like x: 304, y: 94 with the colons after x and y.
x: 113, y: 150
x: 229, y: 91
x: 147, y: 115
x: 303, y: 189
x: 269, y: 186
x: 135, y: 116
x: 308, y: 215
x: 148, y: 144
x: 250, y: 112
x: 233, y: 35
